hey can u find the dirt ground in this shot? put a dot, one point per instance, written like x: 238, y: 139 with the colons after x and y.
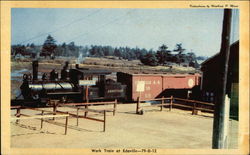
x: 153, y: 129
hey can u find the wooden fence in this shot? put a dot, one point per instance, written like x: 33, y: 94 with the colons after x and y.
x: 55, y: 104
x: 173, y: 102
x: 42, y: 116
x: 77, y: 106
x: 194, y: 105
x: 77, y: 116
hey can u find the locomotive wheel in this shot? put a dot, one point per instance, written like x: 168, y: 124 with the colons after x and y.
x: 35, y: 97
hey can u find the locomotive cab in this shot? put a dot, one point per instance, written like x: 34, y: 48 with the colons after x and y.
x: 95, y: 84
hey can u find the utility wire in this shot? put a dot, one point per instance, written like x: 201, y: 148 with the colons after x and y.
x: 64, y: 26
x: 99, y: 28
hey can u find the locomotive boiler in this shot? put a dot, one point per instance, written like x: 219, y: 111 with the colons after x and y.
x: 74, y: 85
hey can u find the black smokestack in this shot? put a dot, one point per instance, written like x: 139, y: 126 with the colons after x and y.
x: 77, y: 66
x: 66, y: 65
x: 35, y: 69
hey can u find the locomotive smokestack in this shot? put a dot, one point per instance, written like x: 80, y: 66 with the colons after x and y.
x: 77, y: 66
x: 35, y: 69
x: 66, y: 65
x: 65, y: 71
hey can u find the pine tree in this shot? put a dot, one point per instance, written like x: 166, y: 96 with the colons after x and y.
x: 163, y: 55
x: 49, y: 47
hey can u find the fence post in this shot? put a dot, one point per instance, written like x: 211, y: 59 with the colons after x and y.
x: 194, y: 112
x: 42, y: 119
x: 104, y: 121
x: 66, y: 123
x: 18, y: 113
x: 171, y: 103
x: 77, y: 119
x: 115, y: 104
x: 86, y: 112
x: 137, y: 105
x: 54, y: 108
x: 162, y: 101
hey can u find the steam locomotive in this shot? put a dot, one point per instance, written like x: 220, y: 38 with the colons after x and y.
x: 74, y: 85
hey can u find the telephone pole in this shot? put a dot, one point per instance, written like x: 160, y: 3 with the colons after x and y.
x: 219, y: 113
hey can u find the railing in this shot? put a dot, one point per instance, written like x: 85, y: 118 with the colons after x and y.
x: 19, y: 114
x: 195, y: 105
x: 55, y: 104
x: 77, y: 106
x: 173, y: 102
x: 138, y: 108
x: 85, y: 116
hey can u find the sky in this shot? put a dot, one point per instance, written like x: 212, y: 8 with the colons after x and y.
x: 199, y: 30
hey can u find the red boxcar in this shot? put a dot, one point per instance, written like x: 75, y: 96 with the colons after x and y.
x: 149, y: 86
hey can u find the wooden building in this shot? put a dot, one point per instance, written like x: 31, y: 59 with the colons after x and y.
x: 210, y: 74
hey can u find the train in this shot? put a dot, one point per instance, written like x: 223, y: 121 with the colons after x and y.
x: 77, y: 84
x: 73, y: 85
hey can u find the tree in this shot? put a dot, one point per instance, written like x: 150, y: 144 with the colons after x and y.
x: 64, y: 49
x: 117, y: 52
x: 150, y: 59
x: 180, y: 53
x: 49, y: 47
x: 18, y: 49
x: 138, y: 54
x: 59, y: 51
x: 32, y: 45
x: 93, y: 50
x: 85, y: 51
x: 97, y: 51
x: 108, y: 50
x: 179, y: 48
x: 32, y: 50
x: 163, y: 55
x: 73, y: 49
x: 190, y: 57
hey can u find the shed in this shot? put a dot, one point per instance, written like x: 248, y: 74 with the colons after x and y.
x: 210, y: 81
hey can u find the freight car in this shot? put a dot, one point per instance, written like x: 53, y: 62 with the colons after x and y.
x: 149, y: 86
x: 74, y: 85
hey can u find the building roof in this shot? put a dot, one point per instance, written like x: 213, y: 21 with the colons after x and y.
x: 216, y: 56
x: 92, y: 71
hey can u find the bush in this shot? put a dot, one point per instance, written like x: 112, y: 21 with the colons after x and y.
x: 150, y: 59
